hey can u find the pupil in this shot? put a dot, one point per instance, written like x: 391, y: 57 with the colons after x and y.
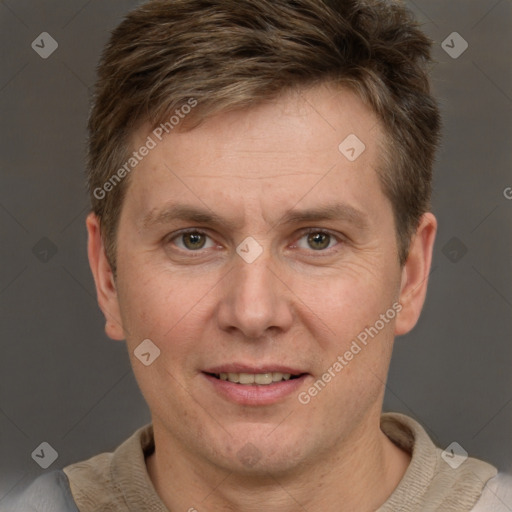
x: 319, y: 240
x: 195, y: 240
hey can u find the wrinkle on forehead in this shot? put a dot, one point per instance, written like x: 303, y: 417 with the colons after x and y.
x: 258, y: 164
x: 245, y: 177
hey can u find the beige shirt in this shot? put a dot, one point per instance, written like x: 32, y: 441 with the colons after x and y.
x: 119, y: 481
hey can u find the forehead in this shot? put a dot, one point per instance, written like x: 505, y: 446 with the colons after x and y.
x: 316, y: 142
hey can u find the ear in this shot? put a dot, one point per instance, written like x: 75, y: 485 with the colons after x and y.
x: 104, y: 280
x: 415, y: 273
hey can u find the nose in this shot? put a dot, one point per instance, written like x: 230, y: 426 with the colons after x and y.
x: 255, y: 301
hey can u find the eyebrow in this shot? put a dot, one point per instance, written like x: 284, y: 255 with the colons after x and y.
x: 183, y: 212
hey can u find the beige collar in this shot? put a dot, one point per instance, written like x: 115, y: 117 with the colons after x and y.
x: 119, y: 481
x: 430, y: 484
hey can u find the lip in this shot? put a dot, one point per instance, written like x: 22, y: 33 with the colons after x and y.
x: 253, y: 394
x: 262, y: 368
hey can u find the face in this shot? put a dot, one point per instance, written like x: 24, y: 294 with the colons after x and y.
x: 252, y: 249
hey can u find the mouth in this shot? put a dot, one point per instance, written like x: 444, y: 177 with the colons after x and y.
x: 254, y: 386
x: 255, y: 379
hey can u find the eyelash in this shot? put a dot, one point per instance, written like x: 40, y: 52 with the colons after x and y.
x: 303, y: 233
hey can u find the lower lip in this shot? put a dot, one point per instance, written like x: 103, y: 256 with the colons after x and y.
x: 255, y: 394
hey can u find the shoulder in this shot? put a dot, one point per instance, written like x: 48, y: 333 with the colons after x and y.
x: 48, y: 493
x: 92, y: 485
x: 496, y: 495
x: 106, y: 482
x: 109, y: 481
x: 91, y: 472
x: 435, y: 479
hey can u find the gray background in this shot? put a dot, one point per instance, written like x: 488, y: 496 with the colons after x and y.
x: 64, y: 382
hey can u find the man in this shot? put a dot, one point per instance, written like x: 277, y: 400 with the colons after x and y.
x: 260, y: 177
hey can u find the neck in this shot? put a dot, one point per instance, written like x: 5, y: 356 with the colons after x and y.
x: 360, y: 474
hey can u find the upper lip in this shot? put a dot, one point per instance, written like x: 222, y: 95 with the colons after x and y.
x: 261, y: 368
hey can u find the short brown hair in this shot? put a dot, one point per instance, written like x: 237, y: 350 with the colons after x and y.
x: 234, y: 54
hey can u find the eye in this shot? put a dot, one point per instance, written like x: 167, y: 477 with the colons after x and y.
x: 317, y: 240
x: 192, y: 240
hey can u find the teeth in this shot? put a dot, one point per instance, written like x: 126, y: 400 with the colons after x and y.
x: 262, y: 379
x: 246, y: 378
x: 233, y: 377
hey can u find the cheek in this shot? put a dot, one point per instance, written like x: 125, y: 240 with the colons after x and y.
x: 344, y: 304
x: 170, y: 311
x: 161, y: 306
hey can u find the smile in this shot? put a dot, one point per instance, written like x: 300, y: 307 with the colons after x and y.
x: 254, y: 386
x: 259, y: 379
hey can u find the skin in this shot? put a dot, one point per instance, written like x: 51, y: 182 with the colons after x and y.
x: 296, y: 305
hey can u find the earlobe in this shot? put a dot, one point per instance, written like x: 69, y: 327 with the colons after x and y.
x: 415, y: 274
x: 103, y: 279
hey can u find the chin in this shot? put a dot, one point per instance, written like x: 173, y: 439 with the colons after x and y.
x: 259, y: 455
